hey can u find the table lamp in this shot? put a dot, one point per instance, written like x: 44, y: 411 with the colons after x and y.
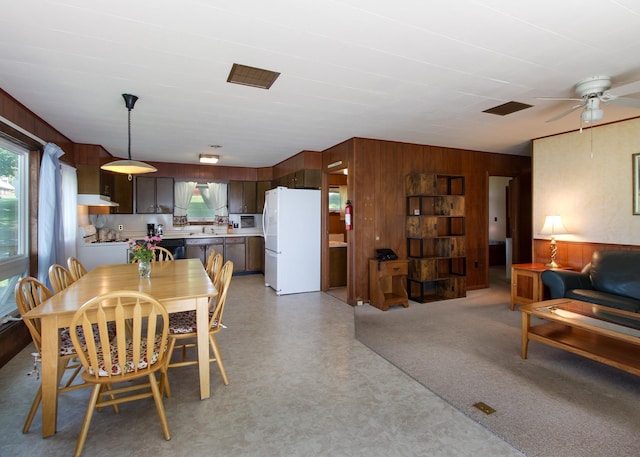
x: 553, y: 226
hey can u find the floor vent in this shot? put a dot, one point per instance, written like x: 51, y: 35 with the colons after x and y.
x: 484, y: 408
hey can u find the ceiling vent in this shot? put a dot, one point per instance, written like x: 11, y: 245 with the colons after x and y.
x: 507, y: 108
x: 251, y: 76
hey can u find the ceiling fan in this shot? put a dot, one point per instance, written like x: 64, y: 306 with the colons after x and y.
x: 592, y: 92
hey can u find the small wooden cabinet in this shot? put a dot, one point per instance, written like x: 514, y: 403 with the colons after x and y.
x: 387, y: 283
x: 526, y: 283
x: 255, y: 254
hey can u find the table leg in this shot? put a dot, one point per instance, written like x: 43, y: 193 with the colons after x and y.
x: 49, y: 354
x: 526, y: 323
x: 202, y: 325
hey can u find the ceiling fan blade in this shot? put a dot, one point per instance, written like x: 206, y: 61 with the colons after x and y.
x: 625, y: 101
x: 626, y: 89
x: 558, y: 98
x: 564, y: 113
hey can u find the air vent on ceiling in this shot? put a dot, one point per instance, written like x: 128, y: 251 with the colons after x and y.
x: 507, y: 108
x: 251, y: 76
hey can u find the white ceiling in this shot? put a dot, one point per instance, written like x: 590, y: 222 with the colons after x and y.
x: 405, y: 70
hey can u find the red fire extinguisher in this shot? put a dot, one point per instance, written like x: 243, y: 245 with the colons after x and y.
x: 348, y: 211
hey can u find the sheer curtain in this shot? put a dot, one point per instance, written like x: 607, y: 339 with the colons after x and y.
x: 183, y: 190
x: 51, y: 245
x: 216, y: 198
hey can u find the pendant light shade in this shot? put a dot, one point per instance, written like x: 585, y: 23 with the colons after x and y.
x: 129, y: 167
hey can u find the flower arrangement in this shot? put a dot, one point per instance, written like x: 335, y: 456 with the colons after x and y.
x: 142, y: 250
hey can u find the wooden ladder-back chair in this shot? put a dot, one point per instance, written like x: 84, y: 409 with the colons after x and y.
x: 30, y: 293
x: 214, y: 271
x: 182, y: 326
x: 209, y: 262
x: 76, y: 268
x: 60, y: 277
x: 160, y: 254
x: 138, y: 351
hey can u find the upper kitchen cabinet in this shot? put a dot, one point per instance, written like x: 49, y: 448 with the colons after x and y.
x: 242, y: 197
x: 302, y: 179
x: 154, y: 195
x: 262, y: 187
x: 94, y: 181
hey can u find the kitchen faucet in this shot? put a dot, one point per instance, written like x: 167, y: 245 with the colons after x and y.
x: 203, y: 229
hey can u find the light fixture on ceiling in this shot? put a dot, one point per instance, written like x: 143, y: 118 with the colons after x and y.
x: 129, y: 167
x: 209, y: 158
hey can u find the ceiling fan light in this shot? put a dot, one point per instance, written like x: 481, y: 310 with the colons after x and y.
x: 592, y: 115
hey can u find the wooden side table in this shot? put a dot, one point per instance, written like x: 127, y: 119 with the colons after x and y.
x: 387, y: 283
x: 526, y: 285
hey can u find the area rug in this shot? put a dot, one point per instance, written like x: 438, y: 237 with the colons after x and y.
x: 468, y: 351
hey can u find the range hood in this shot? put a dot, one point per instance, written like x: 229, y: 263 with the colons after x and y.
x: 95, y: 200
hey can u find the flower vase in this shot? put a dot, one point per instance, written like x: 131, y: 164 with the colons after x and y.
x: 144, y: 269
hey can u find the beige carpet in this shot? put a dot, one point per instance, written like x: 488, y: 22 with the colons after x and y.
x: 468, y: 351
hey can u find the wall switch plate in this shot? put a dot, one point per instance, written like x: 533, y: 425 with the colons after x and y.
x: 120, y: 227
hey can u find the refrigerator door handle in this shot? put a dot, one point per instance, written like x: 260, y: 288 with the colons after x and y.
x: 264, y: 218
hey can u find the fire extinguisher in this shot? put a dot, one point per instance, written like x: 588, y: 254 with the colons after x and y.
x: 348, y: 211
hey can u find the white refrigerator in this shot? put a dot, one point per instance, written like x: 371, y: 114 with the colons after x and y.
x: 291, y: 226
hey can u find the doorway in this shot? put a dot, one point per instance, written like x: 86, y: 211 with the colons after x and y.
x: 338, y: 247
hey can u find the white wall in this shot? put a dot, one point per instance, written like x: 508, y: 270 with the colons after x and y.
x: 587, y: 179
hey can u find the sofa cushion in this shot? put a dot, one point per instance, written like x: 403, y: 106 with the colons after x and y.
x: 616, y: 272
x: 605, y: 299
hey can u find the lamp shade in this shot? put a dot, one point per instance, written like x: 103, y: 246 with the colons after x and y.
x: 553, y: 226
x: 129, y: 167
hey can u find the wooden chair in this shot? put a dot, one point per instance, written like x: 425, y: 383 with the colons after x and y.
x: 182, y: 327
x: 29, y: 293
x: 214, y: 270
x: 60, y: 277
x: 76, y: 268
x: 133, y: 355
x: 160, y: 254
x: 209, y: 263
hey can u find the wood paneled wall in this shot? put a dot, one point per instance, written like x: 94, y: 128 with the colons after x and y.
x: 377, y: 171
x: 574, y: 254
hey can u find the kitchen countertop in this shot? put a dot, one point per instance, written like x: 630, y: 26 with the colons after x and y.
x: 172, y: 235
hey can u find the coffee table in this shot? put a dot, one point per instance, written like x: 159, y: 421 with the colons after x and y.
x: 607, y: 335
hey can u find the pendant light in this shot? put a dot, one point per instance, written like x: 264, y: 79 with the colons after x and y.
x: 129, y: 167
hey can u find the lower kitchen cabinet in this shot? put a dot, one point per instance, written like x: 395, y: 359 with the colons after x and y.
x: 255, y: 253
x: 235, y: 250
x: 200, y: 248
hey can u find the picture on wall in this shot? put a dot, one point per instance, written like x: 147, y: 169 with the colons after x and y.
x: 636, y: 183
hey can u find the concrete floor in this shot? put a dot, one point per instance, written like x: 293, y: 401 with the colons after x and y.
x: 300, y: 385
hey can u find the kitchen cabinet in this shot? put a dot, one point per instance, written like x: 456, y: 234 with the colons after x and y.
x: 235, y: 250
x: 154, y: 195
x: 262, y: 187
x: 200, y: 248
x: 255, y: 253
x: 92, y: 180
x: 242, y: 197
x: 302, y: 179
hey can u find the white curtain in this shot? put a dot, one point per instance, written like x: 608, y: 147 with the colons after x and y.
x: 343, y: 201
x: 50, y: 220
x: 183, y: 191
x: 69, y: 209
x: 215, y: 197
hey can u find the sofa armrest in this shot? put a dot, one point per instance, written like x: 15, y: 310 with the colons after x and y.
x: 560, y: 281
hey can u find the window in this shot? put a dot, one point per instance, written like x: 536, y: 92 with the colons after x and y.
x: 334, y: 199
x: 208, y: 203
x: 14, y: 226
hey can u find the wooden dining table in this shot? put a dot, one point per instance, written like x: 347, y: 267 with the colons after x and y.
x: 180, y: 285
